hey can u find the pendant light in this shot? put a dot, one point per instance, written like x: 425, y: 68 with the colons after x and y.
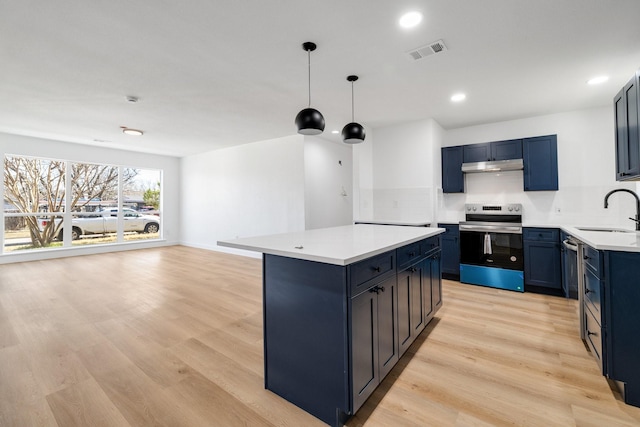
x: 309, y: 121
x: 352, y: 133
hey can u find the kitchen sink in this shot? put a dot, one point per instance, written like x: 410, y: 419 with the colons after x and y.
x: 605, y: 230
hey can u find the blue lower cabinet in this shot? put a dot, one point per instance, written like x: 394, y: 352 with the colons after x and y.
x: 620, y: 320
x: 542, y: 258
x: 611, y: 317
x: 450, y: 251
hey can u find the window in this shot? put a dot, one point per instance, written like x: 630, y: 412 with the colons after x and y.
x: 141, y: 198
x: 39, y: 215
x: 33, y: 202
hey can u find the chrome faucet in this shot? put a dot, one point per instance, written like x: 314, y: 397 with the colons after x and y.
x: 637, y: 219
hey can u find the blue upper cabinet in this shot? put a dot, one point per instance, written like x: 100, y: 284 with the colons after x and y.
x: 506, y: 150
x: 540, y: 157
x: 490, y: 151
x: 627, y: 134
x: 477, y: 153
x: 539, y: 154
x: 452, y: 176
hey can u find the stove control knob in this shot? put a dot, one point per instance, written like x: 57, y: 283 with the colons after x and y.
x: 517, y: 208
x: 474, y: 208
x: 510, y: 208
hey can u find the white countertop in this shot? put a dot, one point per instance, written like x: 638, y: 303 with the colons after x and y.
x: 627, y: 241
x: 393, y: 222
x: 336, y: 245
x: 624, y: 240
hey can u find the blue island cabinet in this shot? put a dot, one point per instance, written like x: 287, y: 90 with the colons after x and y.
x: 331, y: 332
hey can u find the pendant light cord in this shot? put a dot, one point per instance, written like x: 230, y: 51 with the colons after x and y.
x: 352, y: 105
x: 309, y: 63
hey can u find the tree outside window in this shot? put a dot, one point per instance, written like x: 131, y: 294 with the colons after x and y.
x: 35, y: 194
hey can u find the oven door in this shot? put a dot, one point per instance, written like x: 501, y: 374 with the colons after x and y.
x: 492, y: 249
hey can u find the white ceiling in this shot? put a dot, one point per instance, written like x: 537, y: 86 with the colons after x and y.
x: 211, y: 73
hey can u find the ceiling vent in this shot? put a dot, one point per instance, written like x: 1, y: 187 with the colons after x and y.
x: 428, y: 50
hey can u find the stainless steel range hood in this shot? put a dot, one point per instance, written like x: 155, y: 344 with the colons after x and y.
x: 495, y: 166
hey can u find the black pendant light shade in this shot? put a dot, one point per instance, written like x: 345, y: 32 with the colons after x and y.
x: 309, y: 120
x: 352, y: 133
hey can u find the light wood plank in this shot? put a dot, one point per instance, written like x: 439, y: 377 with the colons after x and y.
x: 173, y: 337
x: 85, y: 404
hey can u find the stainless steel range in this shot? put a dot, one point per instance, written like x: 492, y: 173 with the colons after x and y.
x: 491, y: 251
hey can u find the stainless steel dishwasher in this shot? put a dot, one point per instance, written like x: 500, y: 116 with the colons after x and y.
x: 573, y: 276
x: 570, y: 262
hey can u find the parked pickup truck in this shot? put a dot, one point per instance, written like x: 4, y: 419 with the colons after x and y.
x: 106, y: 221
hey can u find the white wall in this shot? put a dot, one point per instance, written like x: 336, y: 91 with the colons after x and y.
x: 363, y: 177
x: 403, y: 185
x: 586, y: 172
x: 37, y: 147
x: 328, y: 183
x: 242, y: 191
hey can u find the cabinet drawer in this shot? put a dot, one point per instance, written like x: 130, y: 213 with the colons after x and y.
x: 427, y: 246
x: 361, y: 274
x: 407, y: 254
x: 592, y: 296
x: 451, y: 228
x: 541, y: 234
x: 593, y: 335
x: 593, y: 260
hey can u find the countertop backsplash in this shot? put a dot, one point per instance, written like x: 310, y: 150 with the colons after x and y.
x: 582, y: 205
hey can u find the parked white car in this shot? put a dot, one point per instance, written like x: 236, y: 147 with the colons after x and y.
x: 106, y: 221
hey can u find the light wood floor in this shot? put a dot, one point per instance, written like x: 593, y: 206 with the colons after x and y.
x: 173, y: 337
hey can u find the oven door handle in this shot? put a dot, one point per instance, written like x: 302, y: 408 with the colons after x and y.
x: 492, y: 228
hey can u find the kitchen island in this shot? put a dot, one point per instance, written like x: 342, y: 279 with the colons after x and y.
x: 340, y: 307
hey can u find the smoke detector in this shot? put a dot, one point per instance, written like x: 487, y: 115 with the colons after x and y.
x: 427, y: 50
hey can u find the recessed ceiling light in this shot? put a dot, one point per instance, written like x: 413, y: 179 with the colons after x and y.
x: 335, y: 131
x: 410, y: 20
x: 458, y: 97
x: 130, y: 131
x: 597, y: 80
